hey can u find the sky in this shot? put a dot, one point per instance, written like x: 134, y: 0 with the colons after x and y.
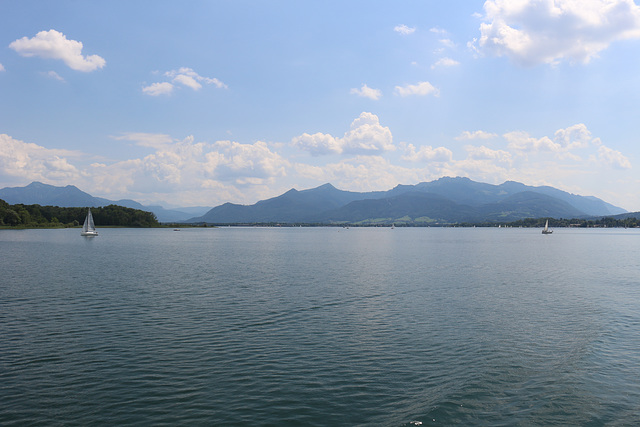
x: 204, y: 102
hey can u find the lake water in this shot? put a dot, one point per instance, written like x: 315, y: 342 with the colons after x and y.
x: 320, y: 326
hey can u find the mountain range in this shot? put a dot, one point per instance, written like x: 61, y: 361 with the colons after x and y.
x: 70, y: 196
x: 443, y: 201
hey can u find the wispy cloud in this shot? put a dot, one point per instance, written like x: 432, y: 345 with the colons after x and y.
x: 53, y: 44
x: 478, y: 134
x: 183, y: 77
x: 53, y: 75
x: 427, y: 153
x: 404, y: 30
x: 367, y: 92
x: 445, y: 62
x: 187, y: 77
x: 153, y: 140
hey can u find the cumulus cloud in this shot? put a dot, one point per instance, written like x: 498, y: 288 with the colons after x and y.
x: 27, y: 161
x: 318, y: 144
x: 566, y: 144
x: 183, y: 77
x: 192, y: 172
x: 403, y: 29
x: 55, y: 45
x: 523, y: 142
x: 367, y: 92
x: 613, y: 158
x: 1, y: 68
x: 532, y: 32
x: 420, y: 89
x: 576, y: 136
x: 157, y: 89
x: 366, y: 136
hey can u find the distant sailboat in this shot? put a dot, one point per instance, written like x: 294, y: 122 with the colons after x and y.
x: 89, y: 228
x: 546, y: 228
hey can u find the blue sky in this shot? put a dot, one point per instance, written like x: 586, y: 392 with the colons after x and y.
x: 204, y: 102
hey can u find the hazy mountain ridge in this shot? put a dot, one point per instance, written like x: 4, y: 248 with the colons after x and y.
x: 443, y: 201
x: 446, y: 200
x: 71, y: 196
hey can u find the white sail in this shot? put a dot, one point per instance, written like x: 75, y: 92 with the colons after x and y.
x: 89, y: 228
x: 546, y: 228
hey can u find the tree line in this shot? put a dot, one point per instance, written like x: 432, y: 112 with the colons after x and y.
x: 27, y: 216
x: 604, y: 222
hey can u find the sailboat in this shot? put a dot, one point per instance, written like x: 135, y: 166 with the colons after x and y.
x: 546, y: 228
x: 89, y: 228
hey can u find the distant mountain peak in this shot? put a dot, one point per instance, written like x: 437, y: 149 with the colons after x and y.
x: 327, y: 186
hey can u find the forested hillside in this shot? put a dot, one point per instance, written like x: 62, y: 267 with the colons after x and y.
x: 20, y: 215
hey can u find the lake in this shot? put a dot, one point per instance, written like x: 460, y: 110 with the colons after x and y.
x: 320, y: 326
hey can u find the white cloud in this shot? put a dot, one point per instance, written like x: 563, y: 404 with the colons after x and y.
x: 576, y: 136
x: 187, y: 77
x: 532, y: 32
x: 187, y: 81
x: 523, y: 142
x: 445, y: 62
x: 420, y: 89
x: 404, y: 30
x: 233, y: 160
x: 479, y: 134
x: 183, y: 77
x: 366, y: 136
x: 367, y: 92
x: 27, y: 161
x: 447, y: 43
x: 484, y: 153
x: 192, y: 172
x: 211, y: 173
x: 1, y: 67
x: 362, y: 173
x: 613, y: 158
x: 427, y: 153
x: 55, y: 45
x: 565, y: 145
x: 152, y: 140
x: 318, y: 144
x: 53, y: 75
x: 156, y: 89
